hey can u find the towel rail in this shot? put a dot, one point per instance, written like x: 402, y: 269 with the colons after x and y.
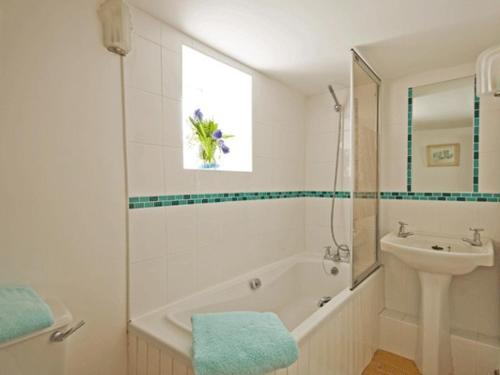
x: 59, y: 336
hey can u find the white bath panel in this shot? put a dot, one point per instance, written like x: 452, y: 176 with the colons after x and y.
x: 166, y: 364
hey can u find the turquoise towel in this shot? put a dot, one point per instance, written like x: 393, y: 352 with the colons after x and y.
x: 241, y: 343
x: 22, y: 312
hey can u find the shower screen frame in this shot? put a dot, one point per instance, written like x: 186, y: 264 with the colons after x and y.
x: 357, y: 279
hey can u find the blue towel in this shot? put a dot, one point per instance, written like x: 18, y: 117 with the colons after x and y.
x: 241, y: 343
x: 22, y: 311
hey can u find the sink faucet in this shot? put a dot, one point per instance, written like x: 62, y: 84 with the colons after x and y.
x: 476, y: 239
x: 403, y: 233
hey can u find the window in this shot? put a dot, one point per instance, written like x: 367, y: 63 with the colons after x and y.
x: 223, y: 94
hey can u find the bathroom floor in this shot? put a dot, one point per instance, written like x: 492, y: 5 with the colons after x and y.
x: 385, y: 363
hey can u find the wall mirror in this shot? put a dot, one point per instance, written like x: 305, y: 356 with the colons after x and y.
x: 443, y: 120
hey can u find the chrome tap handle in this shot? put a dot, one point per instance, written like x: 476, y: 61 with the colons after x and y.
x: 477, y: 234
x: 328, y: 250
x: 403, y: 233
x: 59, y: 336
x: 402, y: 227
x: 476, y: 230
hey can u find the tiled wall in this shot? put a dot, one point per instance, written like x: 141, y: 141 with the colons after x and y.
x: 321, y: 126
x: 475, y: 300
x: 176, y: 250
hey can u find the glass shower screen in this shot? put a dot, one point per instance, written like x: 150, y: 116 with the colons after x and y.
x: 364, y: 124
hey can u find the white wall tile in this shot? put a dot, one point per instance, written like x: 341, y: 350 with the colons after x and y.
x: 489, y: 177
x: 143, y: 65
x: 173, y: 39
x: 171, y: 74
x: 489, y: 131
x: 459, y: 217
x: 172, y: 122
x: 488, y: 357
x: 147, y: 234
x: 321, y: 147
x: 177, y: 179
x: 262, y: 175
x: 223, y: 181
x: 181, y: 274
x: 264, y: 140
x: 145, y: 25
x: 209, y: 229
x: 463, y: 353
x: 488, y: 220
x: 181, y: 228
x: 145, y: 169
x: 147, y: 286
x: 464, y: 300
x: 144, y: 117
x: 319, y: 176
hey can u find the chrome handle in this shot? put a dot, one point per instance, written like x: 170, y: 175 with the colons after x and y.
x: 59, y: 336
x: 402, y: 223
x: 476, y: 229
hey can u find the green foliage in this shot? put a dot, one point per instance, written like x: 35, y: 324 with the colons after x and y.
x: 203, y: 133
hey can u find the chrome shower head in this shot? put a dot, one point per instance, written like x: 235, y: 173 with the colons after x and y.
x: 338, y: 107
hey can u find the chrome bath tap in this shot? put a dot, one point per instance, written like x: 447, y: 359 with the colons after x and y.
x: 476, y: 239
x: 330, y: 255
x: 403, y: 233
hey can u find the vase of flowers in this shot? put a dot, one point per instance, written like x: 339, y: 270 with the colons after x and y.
x: 209, y: 138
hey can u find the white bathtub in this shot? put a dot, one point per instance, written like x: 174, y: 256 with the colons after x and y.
x: 338, y: 338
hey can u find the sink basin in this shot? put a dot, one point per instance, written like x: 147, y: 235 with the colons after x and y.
x: 437, y: 259
x: 450, y: 256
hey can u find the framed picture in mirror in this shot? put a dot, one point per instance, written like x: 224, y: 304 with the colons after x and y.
x: 444, y: 155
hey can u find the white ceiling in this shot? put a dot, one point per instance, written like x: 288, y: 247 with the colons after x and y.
x: 306, y: 43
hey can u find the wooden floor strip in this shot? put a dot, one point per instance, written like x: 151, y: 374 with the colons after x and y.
x: 385, y: 363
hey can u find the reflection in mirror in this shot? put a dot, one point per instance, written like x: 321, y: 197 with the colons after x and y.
x: 442, y: 136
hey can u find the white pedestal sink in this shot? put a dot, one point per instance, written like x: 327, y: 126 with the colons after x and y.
x: 436, y: 259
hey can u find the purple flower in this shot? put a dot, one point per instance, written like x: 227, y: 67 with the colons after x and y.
x: 217, y: 134
x: 223, y: 147
x: 198, y: 115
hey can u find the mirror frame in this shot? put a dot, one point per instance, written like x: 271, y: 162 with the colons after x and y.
x: 475, y: 143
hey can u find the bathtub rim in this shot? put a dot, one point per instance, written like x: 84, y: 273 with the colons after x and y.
x: 268, y: 275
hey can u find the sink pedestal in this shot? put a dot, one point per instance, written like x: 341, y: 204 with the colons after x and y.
x: 434, y: 343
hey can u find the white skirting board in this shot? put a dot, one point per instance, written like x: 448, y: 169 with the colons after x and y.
x: 472, y: 354
x: 343, y: 344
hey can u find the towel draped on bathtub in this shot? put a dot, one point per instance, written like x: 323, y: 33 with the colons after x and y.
x: 241, y: 343
x: 22, y: 311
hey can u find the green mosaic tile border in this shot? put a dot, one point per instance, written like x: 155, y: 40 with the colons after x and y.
x: 187, y: 199
x: 409, y: 172
x: 475, y: 171
x: 456, y: 197
x: 475, y: 159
